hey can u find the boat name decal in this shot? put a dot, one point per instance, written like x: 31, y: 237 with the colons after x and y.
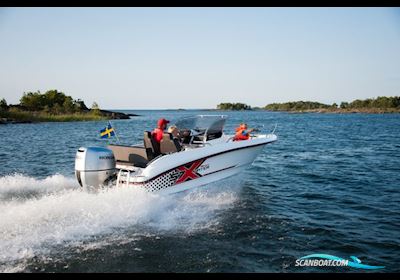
x: 203, y: 167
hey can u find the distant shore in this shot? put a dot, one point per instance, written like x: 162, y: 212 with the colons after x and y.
x: 323, y: 111
x: 343, y: 111
x: 379, y: 105
x: 53, y: 106
x: 14, y: 117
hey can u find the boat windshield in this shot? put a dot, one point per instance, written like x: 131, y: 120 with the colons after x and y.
x: 211, y: 125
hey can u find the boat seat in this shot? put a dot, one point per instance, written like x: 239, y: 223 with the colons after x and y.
x: 153, y: 148
x: 130, y: 155
x: 169, y: 144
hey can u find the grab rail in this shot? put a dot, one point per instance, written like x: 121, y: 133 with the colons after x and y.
x: 276, y: 124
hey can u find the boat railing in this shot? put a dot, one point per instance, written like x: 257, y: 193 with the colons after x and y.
x: 276, y: 125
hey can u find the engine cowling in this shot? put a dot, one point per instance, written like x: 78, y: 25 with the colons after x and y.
x: 94, y: 166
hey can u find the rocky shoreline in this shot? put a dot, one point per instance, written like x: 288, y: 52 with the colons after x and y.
x: 12, y: 121
x: 103, y: 113
x: 115, y: 115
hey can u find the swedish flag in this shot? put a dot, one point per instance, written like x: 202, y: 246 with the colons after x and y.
x: 107, y: 132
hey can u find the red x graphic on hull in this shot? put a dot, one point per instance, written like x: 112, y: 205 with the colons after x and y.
x: 189, y: 172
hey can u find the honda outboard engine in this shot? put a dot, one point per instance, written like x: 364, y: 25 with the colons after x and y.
x: 94, y: 166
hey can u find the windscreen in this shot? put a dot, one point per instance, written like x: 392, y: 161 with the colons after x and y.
x: 201, y: 123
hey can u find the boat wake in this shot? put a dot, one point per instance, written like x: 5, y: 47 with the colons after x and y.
x: 38, y: 214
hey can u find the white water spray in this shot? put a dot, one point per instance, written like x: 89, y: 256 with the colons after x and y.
x: 37, y: 214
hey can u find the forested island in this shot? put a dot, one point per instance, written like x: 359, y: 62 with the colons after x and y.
x: 381, y: 104
x: 233, y: 106
x: 52, y: 106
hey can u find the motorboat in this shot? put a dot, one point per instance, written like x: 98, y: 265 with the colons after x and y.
x: 201, y: 153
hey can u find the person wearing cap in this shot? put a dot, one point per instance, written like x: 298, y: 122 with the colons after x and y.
x: 158, y: 132
x: 242, y: 133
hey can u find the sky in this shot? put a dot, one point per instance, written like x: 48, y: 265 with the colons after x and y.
x: 169, y: 58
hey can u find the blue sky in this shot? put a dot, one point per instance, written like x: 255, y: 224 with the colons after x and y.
x: 156, y: 58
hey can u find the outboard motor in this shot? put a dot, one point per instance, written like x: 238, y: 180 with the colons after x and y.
x: 94, y: 166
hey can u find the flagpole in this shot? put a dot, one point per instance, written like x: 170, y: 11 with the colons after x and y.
x: 116, y: 135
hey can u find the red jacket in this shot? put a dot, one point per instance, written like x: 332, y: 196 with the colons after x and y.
x: 157, y: 134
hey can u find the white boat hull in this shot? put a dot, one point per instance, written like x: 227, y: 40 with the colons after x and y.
x: 210, y: 167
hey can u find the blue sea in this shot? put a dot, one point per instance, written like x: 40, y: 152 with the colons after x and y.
x: 329, y: 185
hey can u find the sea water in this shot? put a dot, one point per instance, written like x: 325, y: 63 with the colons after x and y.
x: 329, y: 185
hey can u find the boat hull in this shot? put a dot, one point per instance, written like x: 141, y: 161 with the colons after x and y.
x: 201, y: 171
x: 220, y: 172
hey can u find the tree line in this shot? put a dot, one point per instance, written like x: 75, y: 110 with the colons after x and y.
x: 298, y: 106
x: 233, y: 106
x: 381, y: 102
x: 51, y: 102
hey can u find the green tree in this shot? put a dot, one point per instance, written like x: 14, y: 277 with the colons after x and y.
x: 32, y: 101
x: 3, y: 105
x: 53, y: 100
x: 344, y: 105
x: 95, y: 110
x: 357, y: 104
x: 68, y: 105
x: 296, y: 106
x: 95, y: 106
x: 233, y: 106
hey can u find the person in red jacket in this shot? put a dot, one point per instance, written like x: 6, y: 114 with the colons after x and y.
x: 158, y: 132
x: 242, y: 133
